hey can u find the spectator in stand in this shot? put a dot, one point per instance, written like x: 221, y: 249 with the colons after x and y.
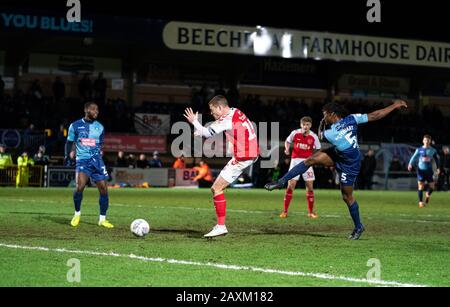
x: 59, y: 89
x: 121, y: 160
x: 85, y: 88
x: 2, y: 89
x: 40, y: 158
x: 100, y: 86
x: 156, y: 161
x: 5, y: 159
x: 179, y: 163
x: 395, y: 166
x: 36, y: 90
x: 131, y: 161
x: 28, y: 134
x: 444, y: 176
x: 23, y: 171
x: 204, y: 177
x: 142, y: 162
x: 368, y: 169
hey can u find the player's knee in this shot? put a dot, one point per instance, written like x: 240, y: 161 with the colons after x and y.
x: 348, y: 199
x: 310, y: 161
x: 292, y: 184
x: 80, y: 188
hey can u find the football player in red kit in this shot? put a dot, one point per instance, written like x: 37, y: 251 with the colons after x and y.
x: 241, y: 135
x: 305, y: 142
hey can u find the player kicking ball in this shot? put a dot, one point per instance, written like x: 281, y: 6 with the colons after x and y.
x: 305, y: 142
x: 425, y: 156
x: 342, y: 133
x: 240, y: 133
x: 87, y: 134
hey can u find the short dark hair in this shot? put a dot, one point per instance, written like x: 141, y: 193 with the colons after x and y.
x: 88, y: 104
x: 427, y: 136
x: 218, y: 100
x: 333, y: 107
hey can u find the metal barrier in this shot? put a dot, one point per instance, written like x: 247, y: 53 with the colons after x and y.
x: 9, y: 174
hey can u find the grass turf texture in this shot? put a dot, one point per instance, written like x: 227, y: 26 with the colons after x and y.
x: 412, y: 244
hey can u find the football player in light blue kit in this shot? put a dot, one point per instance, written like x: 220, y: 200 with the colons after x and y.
x: 425, y: 156
x: 87, y: 134
x: 344, y: 154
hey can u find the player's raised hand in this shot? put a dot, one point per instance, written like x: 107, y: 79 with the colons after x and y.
x: 399, y: 103
x: 190, y: 115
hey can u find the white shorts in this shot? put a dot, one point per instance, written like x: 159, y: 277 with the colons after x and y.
x: 308, y: 175
x: 234, y: 169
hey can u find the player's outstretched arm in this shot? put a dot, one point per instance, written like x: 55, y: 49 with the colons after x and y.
x: 379, y: 114
x: 193, y: 119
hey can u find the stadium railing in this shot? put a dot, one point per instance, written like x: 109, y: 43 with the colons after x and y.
x: 9, y: 174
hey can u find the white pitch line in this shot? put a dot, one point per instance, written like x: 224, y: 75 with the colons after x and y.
x: 214, y: 265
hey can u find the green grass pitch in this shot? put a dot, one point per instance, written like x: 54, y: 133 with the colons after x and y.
x: 411, y: 245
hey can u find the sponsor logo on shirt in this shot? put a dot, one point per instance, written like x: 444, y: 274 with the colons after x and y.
x: 87, y: 142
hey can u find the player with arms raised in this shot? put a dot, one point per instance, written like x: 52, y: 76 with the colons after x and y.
x: 240, y: 133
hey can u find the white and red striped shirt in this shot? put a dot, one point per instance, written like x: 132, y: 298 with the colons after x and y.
x: 303, y: 145
x: 240, y: 133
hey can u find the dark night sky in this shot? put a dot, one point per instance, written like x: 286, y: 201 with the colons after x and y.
x: 416, y: 19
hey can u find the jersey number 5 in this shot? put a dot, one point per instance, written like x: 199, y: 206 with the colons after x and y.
x: 351, y: 139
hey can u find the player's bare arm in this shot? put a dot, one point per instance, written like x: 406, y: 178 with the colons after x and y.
x: 287, y: 148
x: 379, y: 114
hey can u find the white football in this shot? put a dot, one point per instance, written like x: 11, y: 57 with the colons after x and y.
x: 140, y: 227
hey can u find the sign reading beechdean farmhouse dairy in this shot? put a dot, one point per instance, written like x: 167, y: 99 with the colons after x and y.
x: 303, y: 44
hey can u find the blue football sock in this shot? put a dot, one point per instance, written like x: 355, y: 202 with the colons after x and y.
x: 354, y: 212
x: 420, y: 193
x: 77, y: 198
x: 294, y: 172
x: 104, y: 203
x: 430, y: 191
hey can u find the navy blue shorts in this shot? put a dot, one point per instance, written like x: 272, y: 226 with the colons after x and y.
x: 94, y: 168
x: 425, y: 175
x: 348, y: 164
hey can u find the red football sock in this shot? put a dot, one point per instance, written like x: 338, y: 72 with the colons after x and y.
x: 310, y: 199
x: 287, y: 199
x: 221, y: 205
